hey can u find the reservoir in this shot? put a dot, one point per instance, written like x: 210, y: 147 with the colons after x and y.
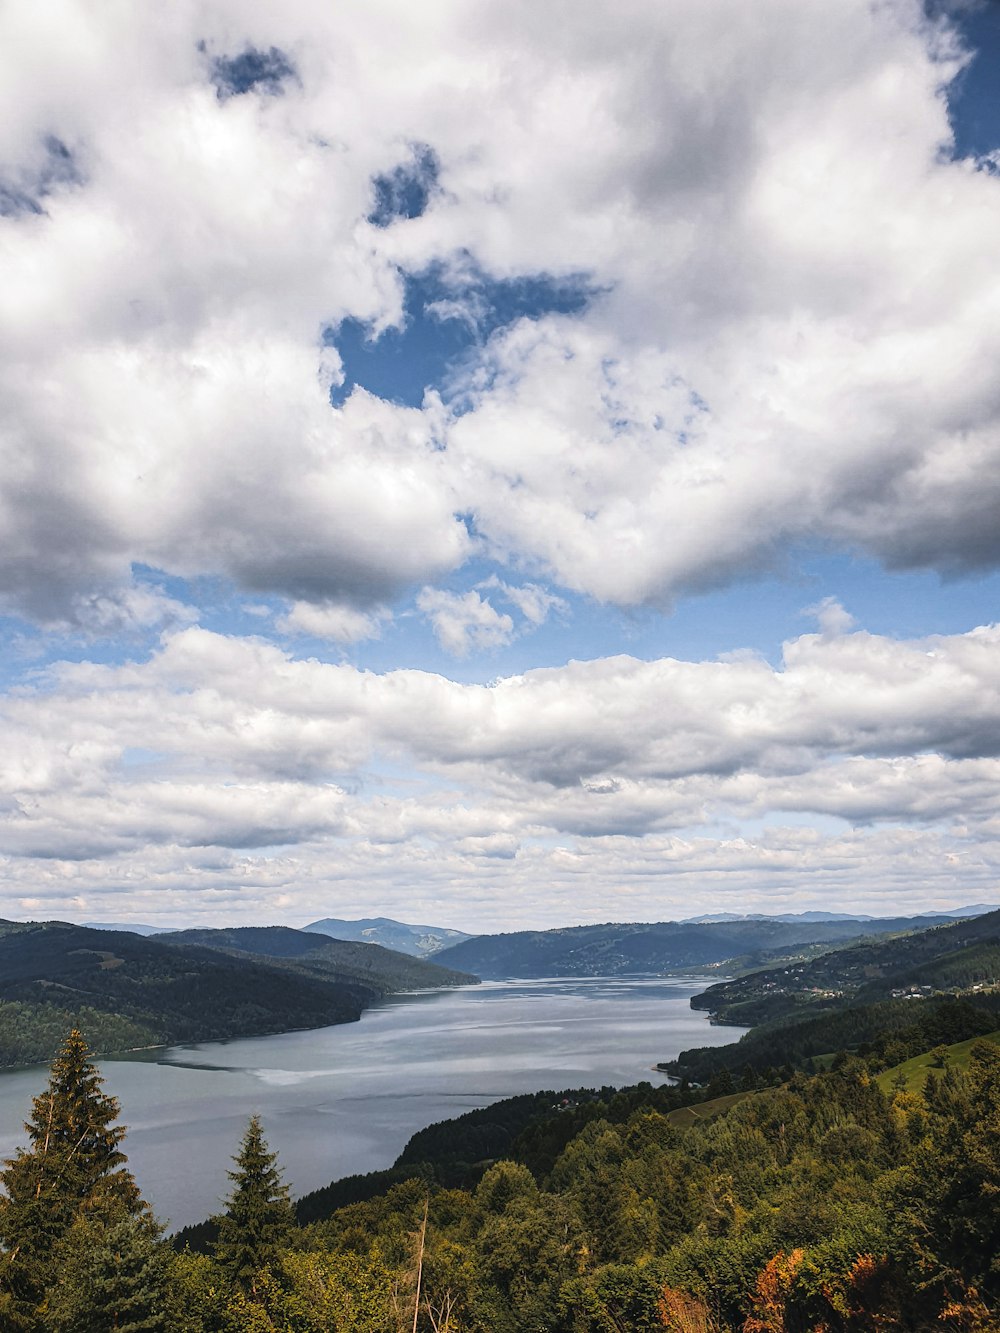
x: 345, y: 1099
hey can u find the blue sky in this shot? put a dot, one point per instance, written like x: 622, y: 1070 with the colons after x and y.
x: 497, y: 471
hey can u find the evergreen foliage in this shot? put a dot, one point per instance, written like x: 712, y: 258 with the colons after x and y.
x: 73, y: 1170
x: 259, y: 1216
x: 628, y: 948
x: 112, y: 1278
x: 130, y: 991
x: 828, y: 1204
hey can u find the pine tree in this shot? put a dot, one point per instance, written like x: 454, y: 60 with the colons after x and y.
x: 112, y: 1278
x: 259, y: 1215
x: 73, y: 1168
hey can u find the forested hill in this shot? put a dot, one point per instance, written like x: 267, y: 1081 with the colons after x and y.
x: 128, y: 991
x: 384, y: 970
x: 838, y: 1203
x: 955, y: 957
x: 618, y: 949
x: 888, y: 999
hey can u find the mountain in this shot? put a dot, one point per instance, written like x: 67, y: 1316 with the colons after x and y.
x: 132, y: 926
x: 420, y: 941
x: 956, y: 914
x: 371, y: 965
x: 126, y: 990
x: 620, y: 949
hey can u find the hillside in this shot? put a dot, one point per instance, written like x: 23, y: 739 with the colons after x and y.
x: 830, y: 1204
x: 619, y: 949
x: 383, y: 970
x: 420, y: 941
x: 893, y: 997
x: 127, y: 990
x: 136, y: 928
x: 956, y: 957
x: 911, y: 1075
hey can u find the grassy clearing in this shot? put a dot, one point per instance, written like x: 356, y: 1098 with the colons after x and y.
x: 691, y: 1115
x: 915, y: 1071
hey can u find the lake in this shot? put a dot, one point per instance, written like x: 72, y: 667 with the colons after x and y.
x: 345, y: 1099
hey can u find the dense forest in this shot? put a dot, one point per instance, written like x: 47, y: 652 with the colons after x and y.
x: 130, y: 991
x: 829, y: 1203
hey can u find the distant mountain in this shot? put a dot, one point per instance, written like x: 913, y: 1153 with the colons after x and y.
x: 124, y: 990
x: 621, y: 949
x: 128, y: 925
x: 977, y: 909
x: 371, y: 965
x: 777, y: 916
x: 956, y: 914
x: 419, y: 941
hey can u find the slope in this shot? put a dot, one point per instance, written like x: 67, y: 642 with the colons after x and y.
x: 126, y: 990
x: 949, y: 957
x: 382, y: 970
x: 892, y: 998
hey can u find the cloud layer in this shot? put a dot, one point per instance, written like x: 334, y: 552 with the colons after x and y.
x: 787, y: 332
x: 224, y: 763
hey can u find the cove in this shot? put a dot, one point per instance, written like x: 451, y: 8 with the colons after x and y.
x: 345, y: 1099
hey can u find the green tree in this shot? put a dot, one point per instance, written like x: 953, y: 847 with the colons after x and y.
x: 74, y: 1168
x: 113, y: 1278
x: 259, y: 1216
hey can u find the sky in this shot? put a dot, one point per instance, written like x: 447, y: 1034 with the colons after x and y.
x: 498, y: 465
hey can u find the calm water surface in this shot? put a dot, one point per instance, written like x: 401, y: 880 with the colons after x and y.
x: 344, y: 1099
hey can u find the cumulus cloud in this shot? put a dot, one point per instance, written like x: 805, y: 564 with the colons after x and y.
x: 220, y: 751
x: 332, y: 620
x: 195, y: 192
x: 463, y: 621
x: 534, y: 602
x: 831, y: 616
x: 790, y: 333
x: 125, y: 610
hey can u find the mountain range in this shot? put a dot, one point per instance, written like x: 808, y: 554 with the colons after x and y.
x: 628, y: 948
x: 955, y: 914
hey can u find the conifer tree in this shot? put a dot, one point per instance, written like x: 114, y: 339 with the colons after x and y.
x: 259, y: 1215
x: 112, y: 1278
x: 73, y: 1168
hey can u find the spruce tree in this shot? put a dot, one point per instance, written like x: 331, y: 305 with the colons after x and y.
x: 73, y: 1168
x: 112, y: 1278
x: 259, y: 1215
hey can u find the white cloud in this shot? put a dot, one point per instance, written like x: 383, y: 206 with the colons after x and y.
x: 332, y: 620
x: 797, y: 332
x: 793, y: 337
x: 220, y: 753
x: 534, y: 602
x: 128, y: 609
x: 464, y: 621
x: 831, y: 617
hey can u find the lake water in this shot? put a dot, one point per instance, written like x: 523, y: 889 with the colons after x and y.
x: 345, y: 1099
